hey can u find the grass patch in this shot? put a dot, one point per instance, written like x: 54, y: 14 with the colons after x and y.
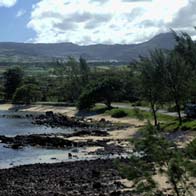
x: 164, y: 117
x: 129, y: 112
x: 168, y: 123
x: 191, y: 124
x: 99, y: 109
x: 139, y: 114
x: 191, y: 149
x: 170, y: 126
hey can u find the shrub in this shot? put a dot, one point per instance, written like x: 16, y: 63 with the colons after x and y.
x: 26, y: 94
x: 191, y: 149
x: 105, y: 91
x: 138, y: 113
x: 118, y: 113
x: 86, y: 101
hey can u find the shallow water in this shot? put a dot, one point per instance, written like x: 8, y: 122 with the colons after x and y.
x: 10, y: 126
x: 23, y: 126
x: 31, y: 155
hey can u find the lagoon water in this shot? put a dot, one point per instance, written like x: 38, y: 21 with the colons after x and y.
x: 9, y: 157
x: 10, y: 126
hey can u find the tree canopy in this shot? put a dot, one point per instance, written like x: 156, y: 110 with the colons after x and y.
x: 105, y: 91
x: 13, y: 78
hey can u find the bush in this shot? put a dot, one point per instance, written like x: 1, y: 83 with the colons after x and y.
x: 118, y: 113
x: 13, y: 78
x: 191, y: 149
x: 26, y: 94
x: 87, y: 99
x: 105, y: 91
x: 138, y: 114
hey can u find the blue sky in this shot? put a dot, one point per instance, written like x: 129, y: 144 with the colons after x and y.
x: 14, y: 28
x: 93, y: 21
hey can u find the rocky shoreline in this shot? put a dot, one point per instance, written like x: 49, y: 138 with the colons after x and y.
x: 86, y: 178
x: 47, y: 141
x: 59, y: 120
x: 97, y: 177
x: 83, y: 128
x: 44, y: 140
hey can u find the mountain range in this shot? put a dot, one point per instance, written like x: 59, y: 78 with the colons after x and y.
x: 28, y: 52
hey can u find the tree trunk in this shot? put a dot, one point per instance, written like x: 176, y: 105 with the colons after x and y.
x: 108, y: 104
x: 178, y: 111
x: 175, y: 187
x: 154, y: 115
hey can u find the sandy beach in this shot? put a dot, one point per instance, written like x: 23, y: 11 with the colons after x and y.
x: 50, y: 181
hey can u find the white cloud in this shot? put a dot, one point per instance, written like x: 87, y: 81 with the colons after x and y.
x: 20, y: 13
x: 7, y: 3
x: 185, y: 20
x: 102, y: 21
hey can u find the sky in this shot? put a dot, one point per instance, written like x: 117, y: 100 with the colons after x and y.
x: 88, y: 22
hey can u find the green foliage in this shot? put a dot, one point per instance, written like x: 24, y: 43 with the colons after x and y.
x: 191, y: 168
x: 105, y: 91
x: 130, y: 80
x: 72, y: 80
x: 161, y: 78
x: 118, y: 113
x: 142, y: 115
x: 178, y: 175
x: 147, y: 186
x: 12, y: 80
x: 2, y: 92
x: 86, y: 99
x: 178, y: 77
x: 171, y: 125
x: 84, y: 71
x: 153, y: 146
x: 180, y: 71
x: 186, y: 47
x: 26, y: 94
x: 167, y: 77
x: 191, y: 149
x: 72, y: 77
x: 152, y: 83
x: 186, y: 52
x: 154, y: 154
x: 138, y: 113
x: 135, y: 169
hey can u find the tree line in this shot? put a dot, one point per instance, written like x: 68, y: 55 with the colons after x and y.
x: 163, y: 77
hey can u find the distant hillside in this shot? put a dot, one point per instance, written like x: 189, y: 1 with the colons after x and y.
x: 26, y: 52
